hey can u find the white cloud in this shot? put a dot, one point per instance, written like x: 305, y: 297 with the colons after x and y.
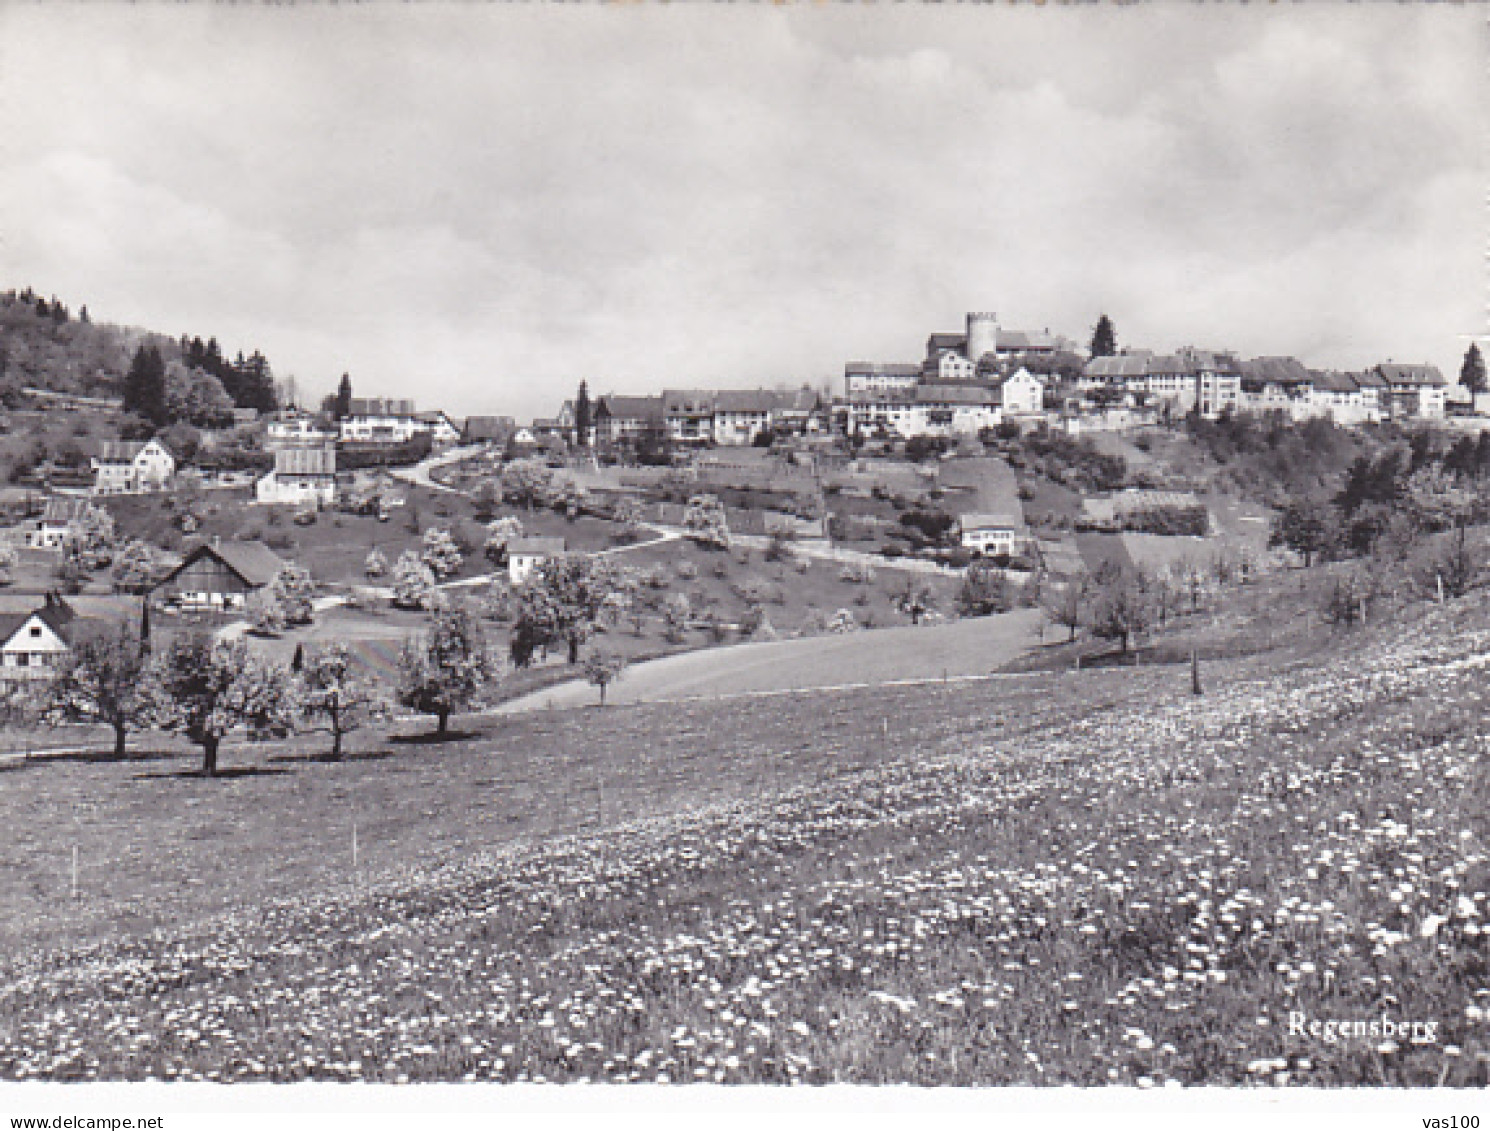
x: 485, y: 204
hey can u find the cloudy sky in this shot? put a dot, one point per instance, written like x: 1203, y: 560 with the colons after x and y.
x: 478, y: 205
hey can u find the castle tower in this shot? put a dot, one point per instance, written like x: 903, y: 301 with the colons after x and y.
x: 982, y: 335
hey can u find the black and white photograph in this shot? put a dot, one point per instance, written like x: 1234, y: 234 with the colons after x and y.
x: 798, y: 562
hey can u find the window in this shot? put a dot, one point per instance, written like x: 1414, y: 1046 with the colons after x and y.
x: 35, y: 630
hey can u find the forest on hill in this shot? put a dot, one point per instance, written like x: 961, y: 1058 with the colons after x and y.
x: 46, y: 345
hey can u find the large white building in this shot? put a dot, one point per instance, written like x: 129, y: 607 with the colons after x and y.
x: 124, y: 467
x: 301, y: 477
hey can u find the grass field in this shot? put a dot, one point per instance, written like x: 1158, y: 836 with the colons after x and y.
x: 1093, y: 878
x: 963, y: 648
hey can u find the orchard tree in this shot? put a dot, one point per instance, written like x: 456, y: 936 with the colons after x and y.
x: 8, y: 562
x: 440, y: 553
x: 527, y: 483
x: 1122, y: 608
x: 1104, y: 338
x: 266, y: 613
x: 413, y: 582
x: 135, y: 567
x: 210, y: 688
x: 499, y: 534
x: 1306, y: 527
x: 104, y: 680
x: 603, y: 668
x: 915, y: 599
x: 706, y: 522
x: 561, y: 603
x: 985, y: 589
x: 444, y: 670
x: 335, y: 698
x: 293, y: 588
x: 1066, y: 604
x: 677, y: 615
x: 375, y: 564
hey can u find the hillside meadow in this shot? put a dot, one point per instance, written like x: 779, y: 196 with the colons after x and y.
x: 1079, y: 878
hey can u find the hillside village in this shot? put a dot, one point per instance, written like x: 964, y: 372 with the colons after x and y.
x: 1003, y: 469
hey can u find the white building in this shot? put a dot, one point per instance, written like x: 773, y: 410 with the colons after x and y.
x: 524, y: 555
x: 380, y: 420
x: 296, y: 431
x: 442, y: 430
x: 33, y: 645
x: 301, y: 477
x: 1413, y: 391
x: 125, y: 467
x: 879, y: 377
x: 993, y: 535
x: 1022, y: 394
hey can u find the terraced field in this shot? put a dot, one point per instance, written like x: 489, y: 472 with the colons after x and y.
x: 1087, y: 879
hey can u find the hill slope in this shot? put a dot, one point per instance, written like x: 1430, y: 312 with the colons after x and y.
x: 1112, y: 882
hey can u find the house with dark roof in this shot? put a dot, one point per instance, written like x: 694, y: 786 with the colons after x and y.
x: 220, y: 576
x: 622, y: 419
x: 33, y: 645
x: 125, y: 467
x: 495, y: 430
x: 1412, y: 391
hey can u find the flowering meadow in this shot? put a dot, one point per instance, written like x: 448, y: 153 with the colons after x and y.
x: 1118, y: 883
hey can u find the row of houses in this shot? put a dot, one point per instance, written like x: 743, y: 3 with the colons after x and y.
x: 1213, y: 383
x: 977, y: 378
x: 728, y: 417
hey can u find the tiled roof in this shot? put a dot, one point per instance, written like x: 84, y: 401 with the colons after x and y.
x: 1411, y: 374
x: 535, y: 545
x: 688, y: 402
x: 119, y: 451
x: 883, y: 368
x: 633, y: 408
x: 254, y: 562
x: 1003, y: 521
x: 305, y: 461
x: 955, y: 394
x: 938, y: 342
x: 1275, y: 371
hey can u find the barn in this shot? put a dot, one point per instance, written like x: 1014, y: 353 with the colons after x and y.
x: 220, y: 576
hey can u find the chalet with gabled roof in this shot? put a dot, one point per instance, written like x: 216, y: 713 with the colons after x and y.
x: 220, y: 577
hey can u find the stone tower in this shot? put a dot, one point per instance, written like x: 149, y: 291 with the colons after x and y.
x: 982, y: 335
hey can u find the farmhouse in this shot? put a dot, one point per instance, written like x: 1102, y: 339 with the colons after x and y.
x: 221, y: 577
x: 524, y: 555
x: 622, y: 418
x: 124, y: 467
x: 496, y: 430
x: 33, y: 645
x: 63, y: 520
x: 301, y: 477
x: 993, y: 534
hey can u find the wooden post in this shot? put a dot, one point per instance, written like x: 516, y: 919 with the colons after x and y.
x: 354, y: 850
x: 1195, y: 688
